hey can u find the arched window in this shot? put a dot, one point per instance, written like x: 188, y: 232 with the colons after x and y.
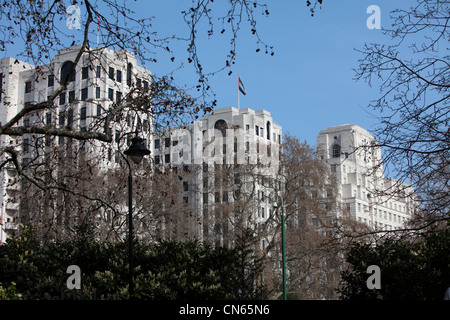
x: 222, y: 126
x: 336, y: 151
x: 268, y: 130
x: 66, y: 68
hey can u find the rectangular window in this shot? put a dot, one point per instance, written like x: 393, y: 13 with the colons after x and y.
x: 167, y: 158
x: 84, y: 94
x: 247, y: 127
x: 205, y: 198
x: 48, y: 119
x: 110, y: 94
x: 99, y: 71
x: 62, y: 98
x: 225, y: 196
x: 25, y: 145
x: 157, y: 143
x: 157, y: 159
x: 119, y: 76
x: 83, y: 113
x: 28, y: 87
x: 111, y: 73
x: 62, y: 118
x: 69, y: 117
x: 97, y: 92
x: 217, y: 197
x: 118, y: 96
x: 84, y: 73
x: 257, y: 130
x: 51, y: 80
x: 71, y: 96
x: 145, y: 125
x: 185, y: 186
x: 167, y: 142
x: 99, y: 109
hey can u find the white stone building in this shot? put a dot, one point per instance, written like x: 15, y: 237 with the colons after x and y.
x: 225, y: 141
x: 101, y: 78
x: 366, y: 194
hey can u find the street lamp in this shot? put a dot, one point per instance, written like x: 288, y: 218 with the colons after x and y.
x: 283, y: 245
x: 136, y: 152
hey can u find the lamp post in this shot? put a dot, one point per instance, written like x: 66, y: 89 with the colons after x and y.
x: 283, y: 246
x: 136, y: 152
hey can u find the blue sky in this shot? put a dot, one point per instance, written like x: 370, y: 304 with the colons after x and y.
x: 307, y: 85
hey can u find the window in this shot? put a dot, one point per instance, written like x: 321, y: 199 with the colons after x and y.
x: 268, y: 130
x: 25, y: 145
x: 145, y: 125
x: 70, y: 117
x: 84, y: 94
x: 48, y: 118
x: 167, y: 158
x: 28, y: 87
x: 225, y: 196
x: 119, y: 76
x: 99, y: 109
x: 71, y: 96
x: 185, y: 186
x: 62, y: 118
x: 205, y: 197
x: 67, y: 74
x: 167, y: 142
x: 157, y: 160
x: 129, y: 73
x: 110, y: 94
x: 247, y: 127
x: 62, y: 98
x: 157, y: 143
x: 84, y: 73
x: 222, y: 126
x: 51, y: 80
x: 257, y: 130
x: 118, y: 96
x: 111, y: 73
x: 97, y: 92
x: 83, y: 113
x: 217, y: 197
x: 336, y: 151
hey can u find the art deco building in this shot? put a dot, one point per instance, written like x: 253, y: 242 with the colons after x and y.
x: 101, y: 79
x: 226, y: 162
x: 366, y: 194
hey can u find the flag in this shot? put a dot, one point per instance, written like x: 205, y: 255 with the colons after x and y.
x: 241, y: 87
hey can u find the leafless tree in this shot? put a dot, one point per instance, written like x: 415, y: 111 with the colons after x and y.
x: 413, y: 76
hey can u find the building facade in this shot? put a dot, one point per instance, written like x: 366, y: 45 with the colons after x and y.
x: 226, y: 162
x: 366, y: 194
x: 101, y: 81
